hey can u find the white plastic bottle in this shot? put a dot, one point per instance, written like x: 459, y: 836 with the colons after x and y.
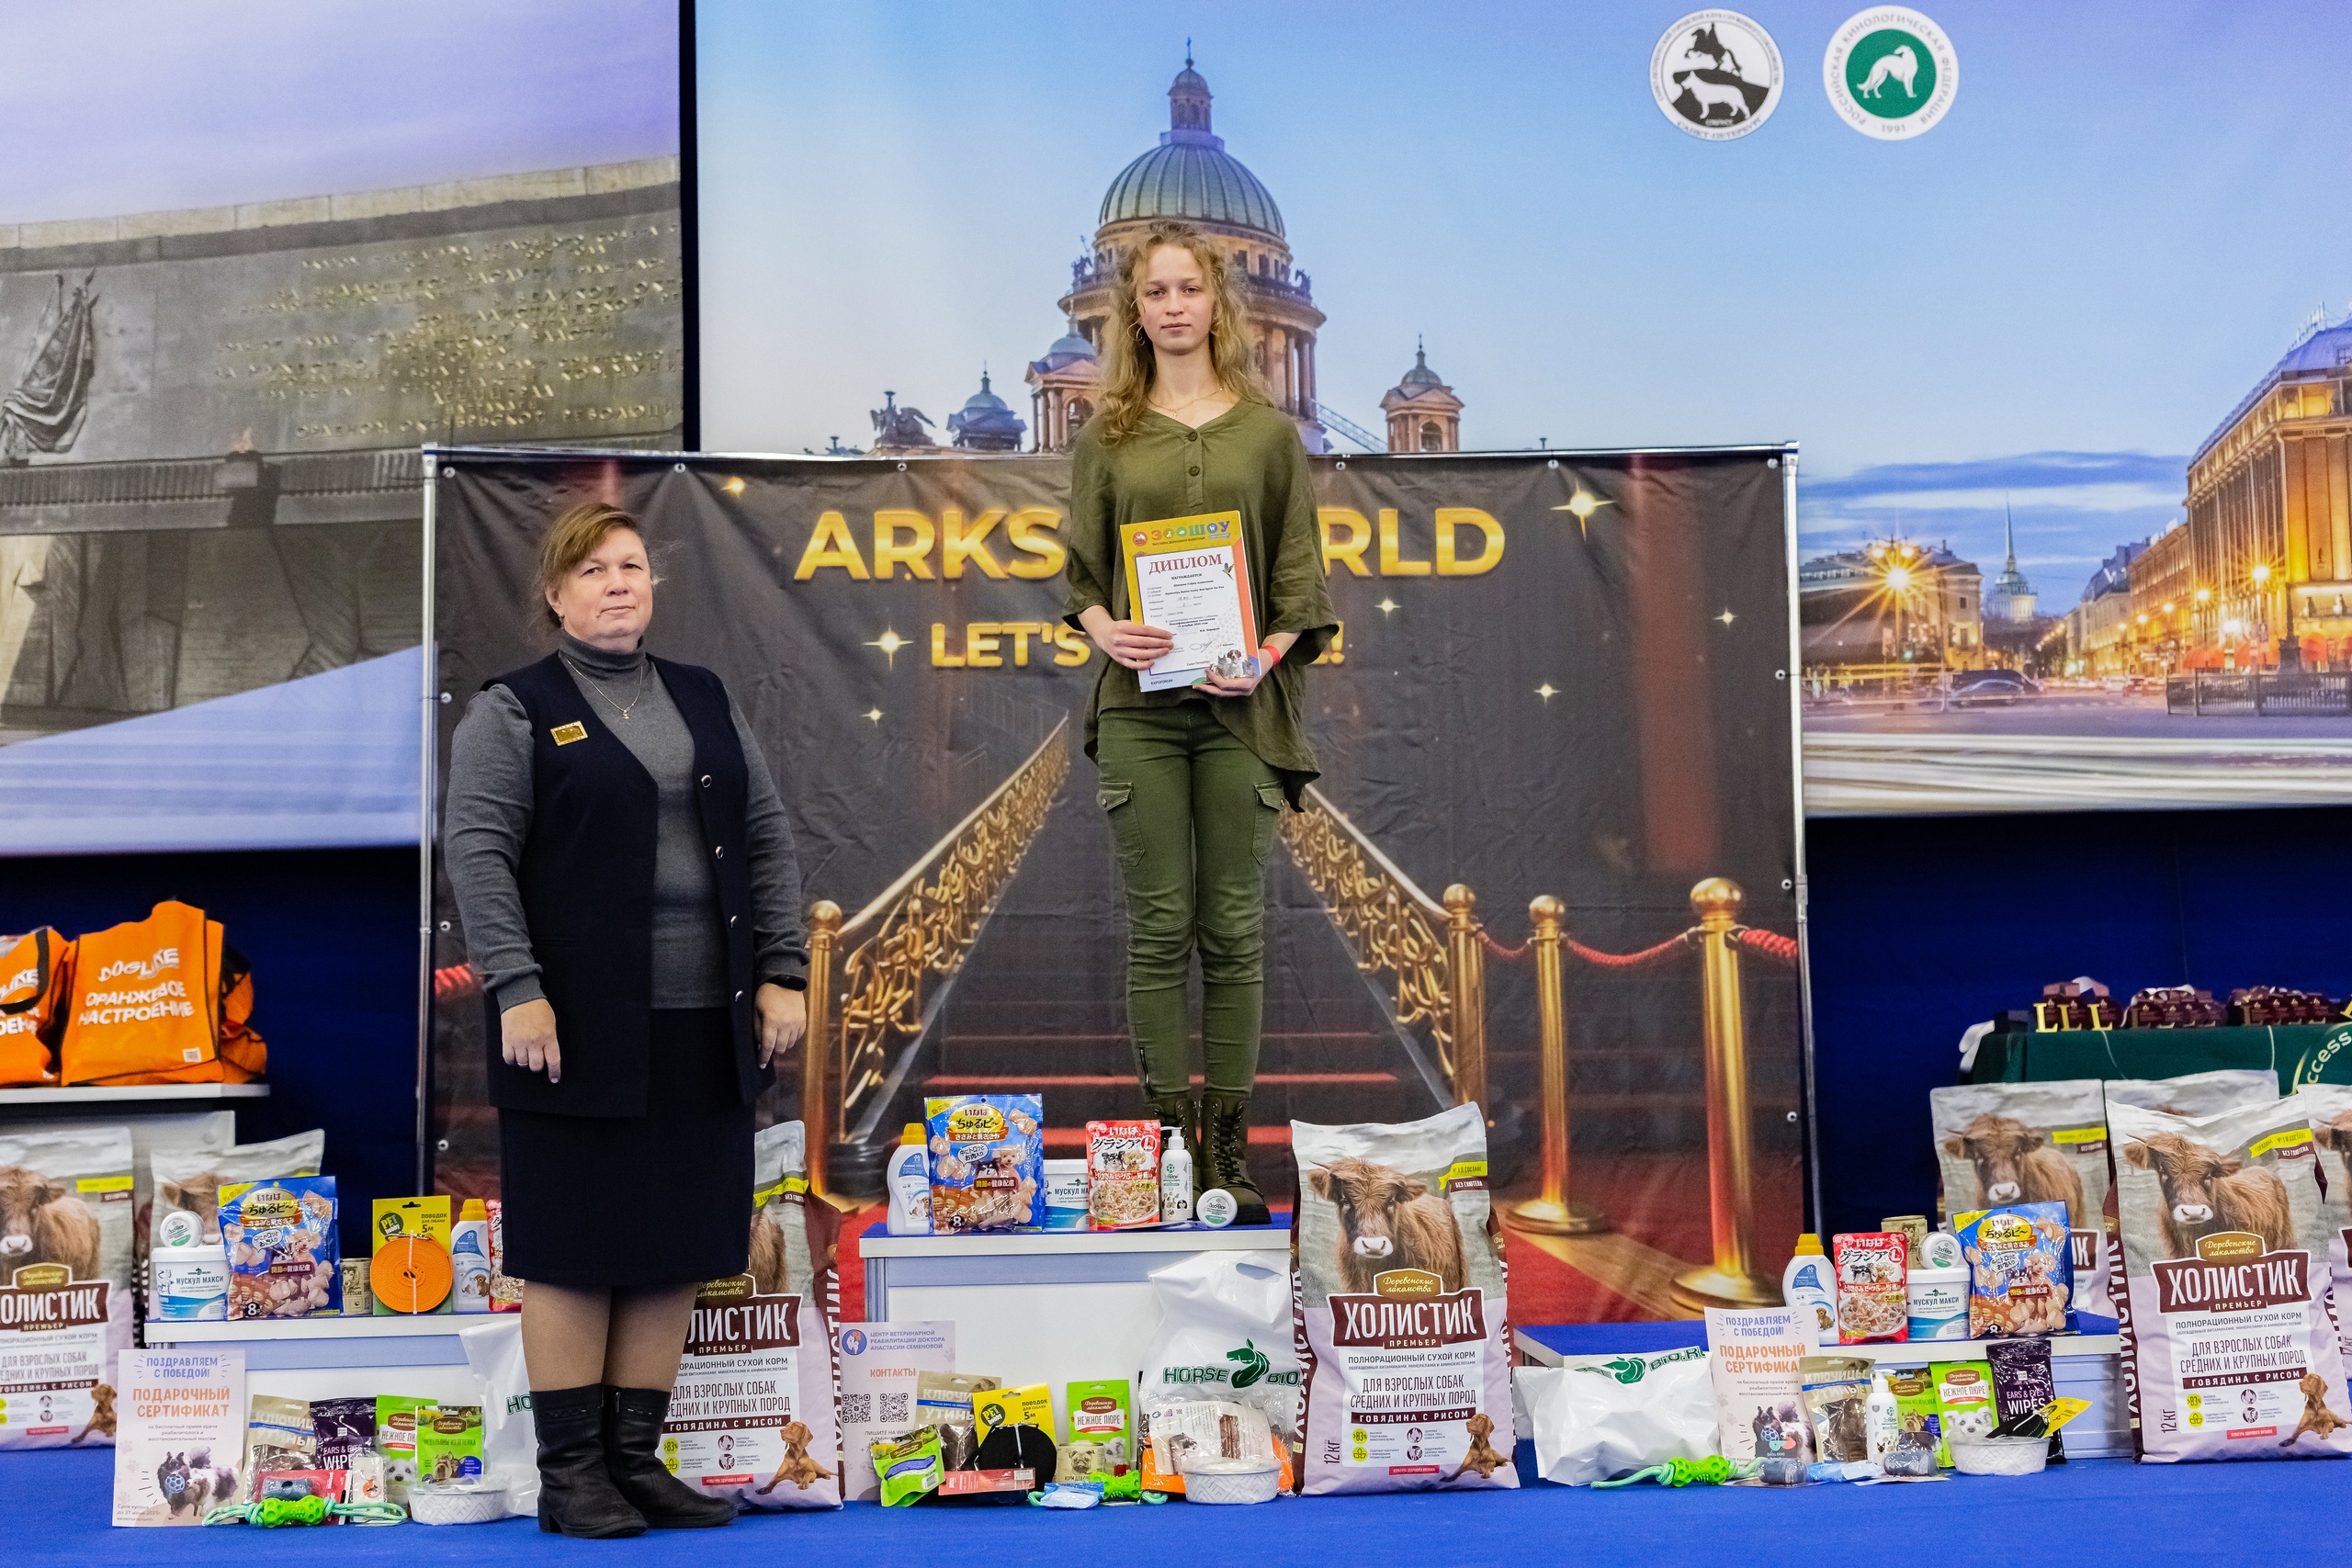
x: 1807, y: 1282
x: 1881, y: 1419
x: 469, y: 1257
x: 1175, y: 1181
x: 908, y: 1180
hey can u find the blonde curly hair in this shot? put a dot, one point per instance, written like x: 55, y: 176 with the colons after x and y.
x: 1128, y: 366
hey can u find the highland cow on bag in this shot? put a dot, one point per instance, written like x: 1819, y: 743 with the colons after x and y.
x: 756, y: 1416
x: 1400, y: 1306
x: 65, y: 1300
x: 2229, y: 1349
x: 2003, y: 1144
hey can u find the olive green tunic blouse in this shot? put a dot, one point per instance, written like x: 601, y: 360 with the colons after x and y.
x: 1248, y: 459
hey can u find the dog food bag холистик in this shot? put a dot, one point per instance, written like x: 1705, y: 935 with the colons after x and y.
x: 2229, y: 1349
x: 1998, y: 1144
x: 2327, y: 1110
x: 2020, y: 1270
x: 186, y: 1209
x: 65, y: 1306
x: 987, y: 1162
x: 756, y: 1415
x: 1404, y: 1323
x: 1222, y: 1365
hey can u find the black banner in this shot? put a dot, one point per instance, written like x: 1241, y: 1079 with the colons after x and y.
x: 1560, y: 677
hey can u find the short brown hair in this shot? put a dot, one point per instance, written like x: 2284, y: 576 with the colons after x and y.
x: 571, y: 538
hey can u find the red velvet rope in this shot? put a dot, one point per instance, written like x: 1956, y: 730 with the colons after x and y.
x: 1668, y: 948
x: 1770, y: 946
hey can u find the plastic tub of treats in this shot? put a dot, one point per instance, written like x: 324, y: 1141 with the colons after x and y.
x: 1232, y: 1480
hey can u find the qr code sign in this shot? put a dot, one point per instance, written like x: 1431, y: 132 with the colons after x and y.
x: 857, y: 1409
x: 895, y: 1409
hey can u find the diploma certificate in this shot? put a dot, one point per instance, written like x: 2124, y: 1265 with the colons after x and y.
x: 1189, y: 577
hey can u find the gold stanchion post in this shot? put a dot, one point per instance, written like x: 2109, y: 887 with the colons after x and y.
x: 816, y: 1046
x: 1732, y: 1280
x: 1468, y: 963
x: 1552, y: 1213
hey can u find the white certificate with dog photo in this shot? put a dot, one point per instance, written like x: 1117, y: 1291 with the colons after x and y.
x: 180, y: 1435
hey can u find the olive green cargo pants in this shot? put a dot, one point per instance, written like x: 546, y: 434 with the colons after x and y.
x: 1192, y: 811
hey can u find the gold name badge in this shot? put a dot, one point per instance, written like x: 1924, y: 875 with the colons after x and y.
x: 565, y: 734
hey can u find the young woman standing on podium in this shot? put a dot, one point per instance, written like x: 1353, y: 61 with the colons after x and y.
x: 1193, y: 779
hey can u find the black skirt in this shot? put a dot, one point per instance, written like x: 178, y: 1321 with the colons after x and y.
x: 662, y: 1198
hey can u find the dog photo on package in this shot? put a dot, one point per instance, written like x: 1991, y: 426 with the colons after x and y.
x: 1402, y: 1319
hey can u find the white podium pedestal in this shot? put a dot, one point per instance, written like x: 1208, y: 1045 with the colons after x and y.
x: 339, y: 1358
x: 1044, y: 1307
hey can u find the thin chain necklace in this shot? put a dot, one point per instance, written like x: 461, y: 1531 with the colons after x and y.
x: 644, y: 684
x: 1172, y: 411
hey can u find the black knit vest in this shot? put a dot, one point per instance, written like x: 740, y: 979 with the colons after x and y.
x: 586, y: 879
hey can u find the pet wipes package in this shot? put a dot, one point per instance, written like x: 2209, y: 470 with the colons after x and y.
x: 1998, y: 1144
x: 1122, y: 1174
x: 756, y: 1413
x: 1873, y: 1300
x: 280, y: 1237
x: 2020, y: 1270
x: 1225, y: 1336
x: 1402, y: 1318
x: 2230, y: 1347
x: 987, y: 1162
x: 65, y: 1299
x: 345, y: 1429
x: 187, y: 1181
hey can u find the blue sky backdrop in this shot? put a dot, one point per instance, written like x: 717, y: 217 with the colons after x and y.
x: 2053, y: 296
x: 138, y: 106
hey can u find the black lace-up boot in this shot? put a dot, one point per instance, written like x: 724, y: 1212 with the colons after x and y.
x: 576, y: 1492
x: 633, y: 1454
x: 1224, y: 1154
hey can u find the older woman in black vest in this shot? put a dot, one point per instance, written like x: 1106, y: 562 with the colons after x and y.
x: 626, y: 873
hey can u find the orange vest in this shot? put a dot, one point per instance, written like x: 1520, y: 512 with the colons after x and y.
x: 34, y: 973
x: 161, y: 1001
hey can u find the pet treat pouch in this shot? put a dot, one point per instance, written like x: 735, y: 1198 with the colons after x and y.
x: 987, y: 1162
x: 1402, y: 1317
x: 280, y: 1238
x: 1998, y: 1144
x: 2230, y: 1348
x: 1122, y: 1174
x: 1873, y: 1301
x: 2020, y: 1270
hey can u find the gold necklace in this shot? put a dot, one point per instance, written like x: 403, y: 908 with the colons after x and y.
x: 644, y: 684
x: 1174, y: 410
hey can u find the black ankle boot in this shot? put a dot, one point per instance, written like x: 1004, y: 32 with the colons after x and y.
x: 576, y: 1492
x: 1224, y: 1155
x: 633, y: 1454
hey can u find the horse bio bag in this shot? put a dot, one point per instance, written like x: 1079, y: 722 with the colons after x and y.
x: 2327, y: 1109
x: 65, y: 1301
x: 2228, y: 1345
x: 2000, y: 1143
x: 1402, y: 1322
x: 756, y: 1416
x: 1222, y: 1365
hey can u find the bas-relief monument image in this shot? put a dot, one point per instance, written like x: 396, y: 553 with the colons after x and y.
x: 209, y: 418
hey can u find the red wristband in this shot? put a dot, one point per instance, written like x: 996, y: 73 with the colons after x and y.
x: 1273, y: 656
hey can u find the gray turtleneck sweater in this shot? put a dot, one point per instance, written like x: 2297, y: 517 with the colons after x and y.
x: 488, y: 817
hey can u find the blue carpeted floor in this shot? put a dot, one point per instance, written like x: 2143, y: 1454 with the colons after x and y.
x: 2090, y: 1513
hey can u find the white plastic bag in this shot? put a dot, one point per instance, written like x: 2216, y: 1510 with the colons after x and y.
x: 1597, y: 1417
x: 1223, y: 1334
x: 509, y: 1441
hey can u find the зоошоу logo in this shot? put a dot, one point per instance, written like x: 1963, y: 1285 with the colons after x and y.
x: 1890, y: 73
x: 1716, y: 75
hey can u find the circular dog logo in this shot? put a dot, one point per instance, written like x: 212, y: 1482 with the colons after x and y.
x: 1890, y: 73
x: 1716, y: 74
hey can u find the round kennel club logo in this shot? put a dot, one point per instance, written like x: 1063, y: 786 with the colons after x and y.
x: 1716, y: 74
x: 1891, y: 72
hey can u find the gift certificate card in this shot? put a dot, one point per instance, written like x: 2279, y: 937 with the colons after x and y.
x: 1189, y: 577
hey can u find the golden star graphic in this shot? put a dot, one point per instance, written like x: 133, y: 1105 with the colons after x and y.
x: 1583, y: 506
x: 1386, y: 605
x: 1547, y: 691
x: 889, y: 642
x: 1727, y: 617
x: 872, y: 716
